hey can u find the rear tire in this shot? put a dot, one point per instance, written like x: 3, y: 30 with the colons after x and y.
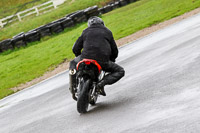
x: 83, y: 97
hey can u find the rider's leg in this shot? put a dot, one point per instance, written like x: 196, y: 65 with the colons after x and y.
x: 115, y: 71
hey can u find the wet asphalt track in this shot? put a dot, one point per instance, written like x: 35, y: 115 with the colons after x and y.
x: 159, y: 93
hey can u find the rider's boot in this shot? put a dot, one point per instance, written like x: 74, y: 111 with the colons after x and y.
x: 100, y: 87
x: 72, y: 83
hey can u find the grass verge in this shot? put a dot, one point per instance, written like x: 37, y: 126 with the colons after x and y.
x: 25, y: 64
x: 30, y: 23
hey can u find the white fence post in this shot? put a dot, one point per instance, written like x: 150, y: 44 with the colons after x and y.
x: 1, y: 23
x: 37, y: 11
x: 18, y: 15
x: 54, y: 5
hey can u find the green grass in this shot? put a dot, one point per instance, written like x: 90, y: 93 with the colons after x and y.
x: 30, y: 23
x: 145, y: 13
x: 10, y: 7
x: 25, y: 64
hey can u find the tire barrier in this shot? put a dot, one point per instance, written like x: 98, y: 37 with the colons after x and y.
x: 101, y: 10
x: 128, y: 1
x: 107, y: 8
x: 132, y: 1
x: 123, y: 3
x: 6, y: 45
x: 19, y: 40
x: 91, y: 11
x: 32, y: 36
x: 59, y: 25
x: 43, y: 30
x: 55, y: 27
x: 78, y: 17
x: 66, y: 22
x: 115, y: 5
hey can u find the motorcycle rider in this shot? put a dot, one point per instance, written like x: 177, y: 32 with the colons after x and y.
x: 97, y: 43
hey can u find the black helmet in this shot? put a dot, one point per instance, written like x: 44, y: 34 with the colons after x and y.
x: 95, y: 20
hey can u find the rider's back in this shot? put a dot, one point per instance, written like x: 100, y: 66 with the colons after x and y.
x: 97, y: 43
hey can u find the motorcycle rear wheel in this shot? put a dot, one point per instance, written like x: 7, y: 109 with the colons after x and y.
x: 83, y: 97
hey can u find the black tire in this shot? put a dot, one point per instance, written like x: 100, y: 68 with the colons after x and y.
x: 83, y: 98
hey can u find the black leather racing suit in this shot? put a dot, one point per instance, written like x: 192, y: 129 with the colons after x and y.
x: 97, y: 42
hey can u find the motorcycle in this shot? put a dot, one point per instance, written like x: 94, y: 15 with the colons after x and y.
x: 88, y: 74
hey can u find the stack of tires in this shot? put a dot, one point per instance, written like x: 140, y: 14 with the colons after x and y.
x: 123, y: 2
x: 78, y: 17
x: 6, y: 45
x: 66, y: 22
x: 55, y: 27
x: 115, y: 5
x: 58, y: 26
x: 43, y: 30
x: 32, y: 36
x: 91, y: 11
x: 132, y: 1
x: 19, y: 40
